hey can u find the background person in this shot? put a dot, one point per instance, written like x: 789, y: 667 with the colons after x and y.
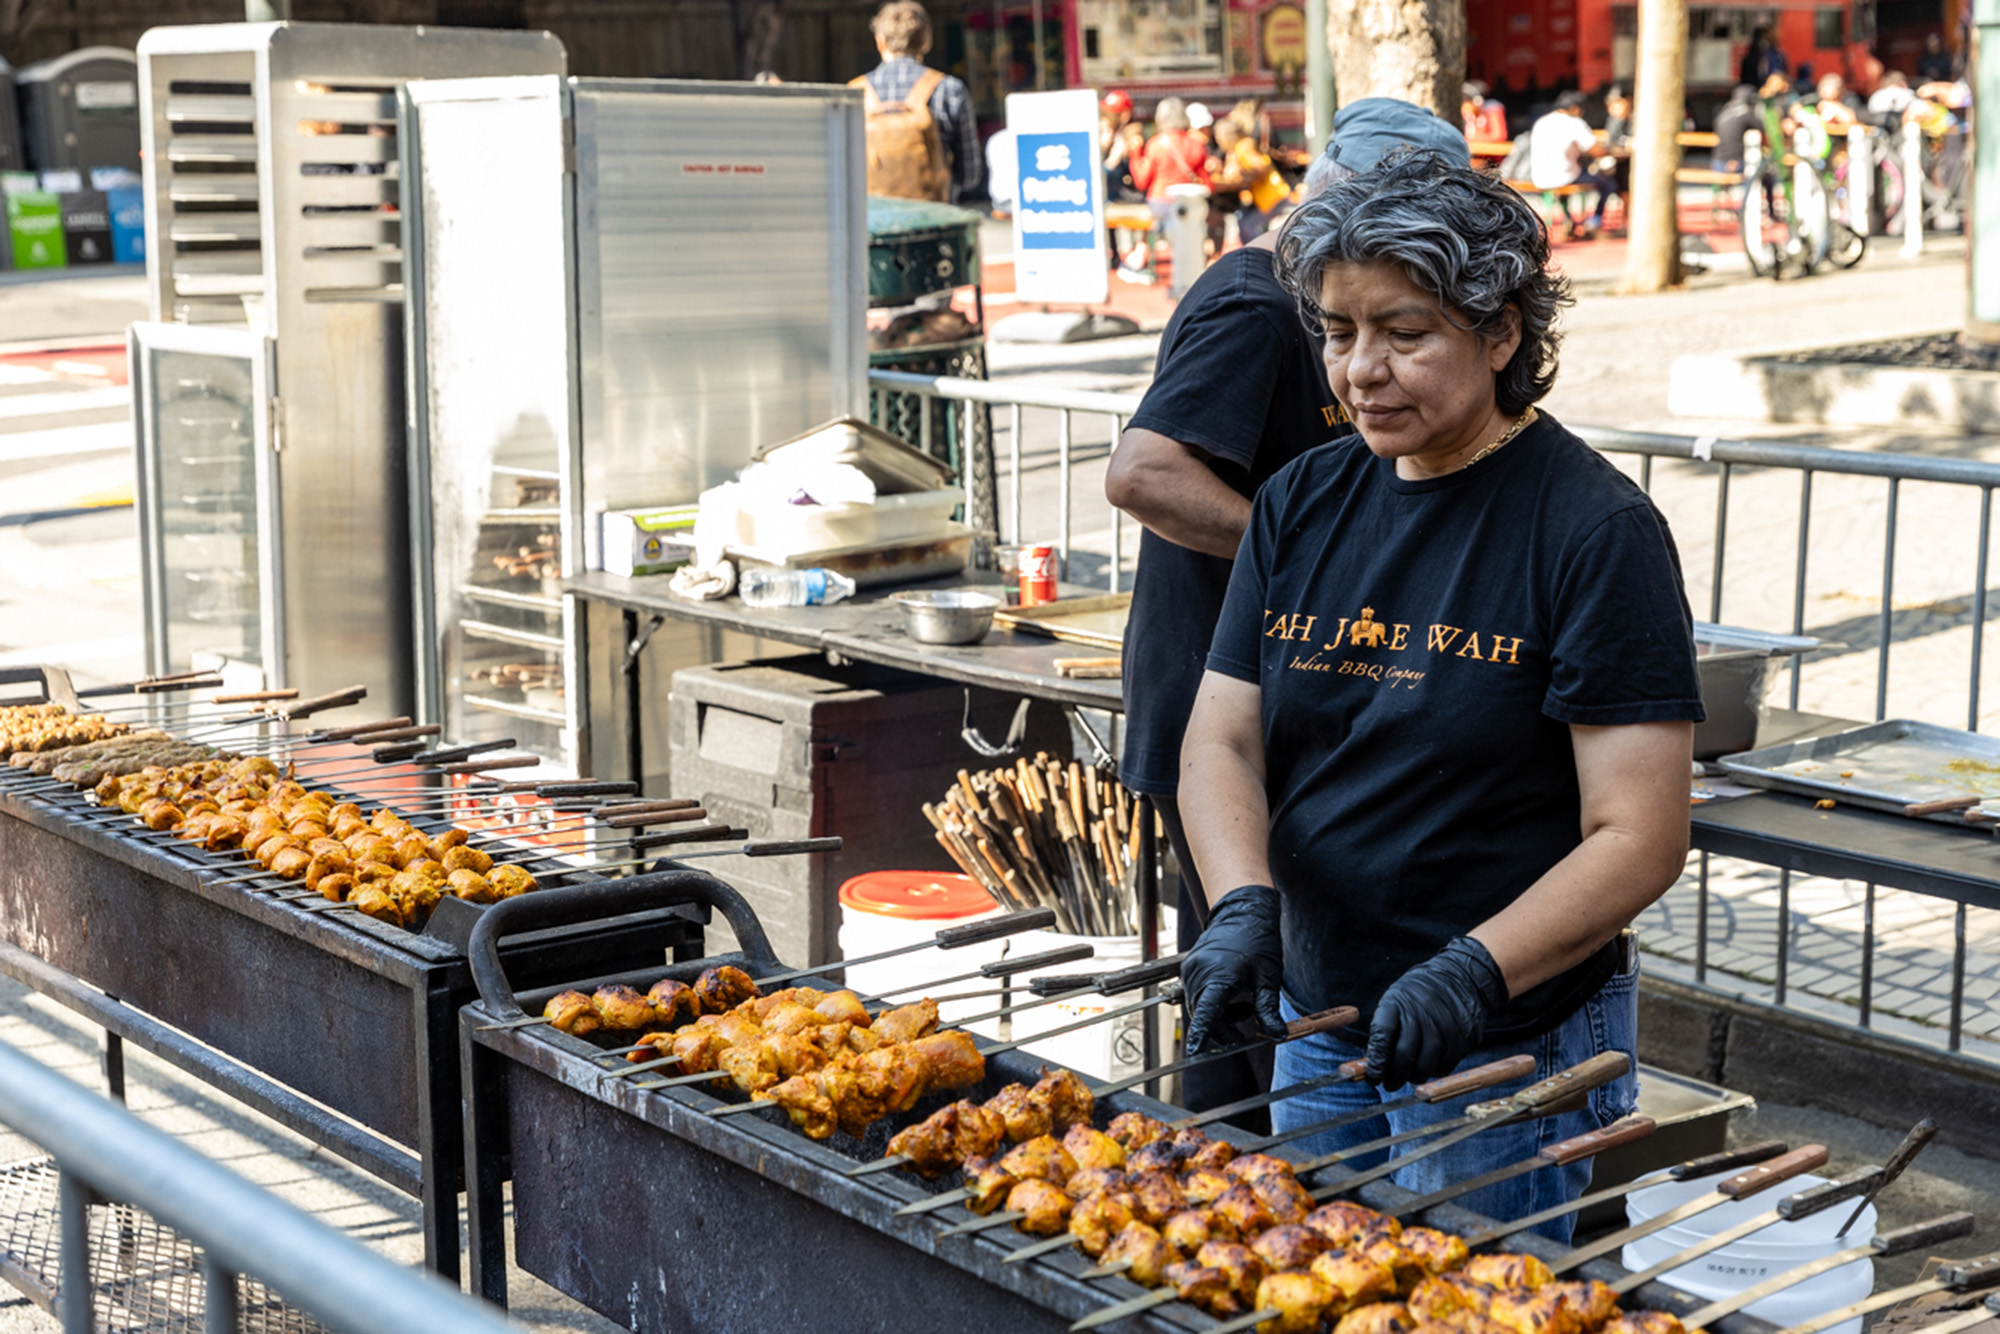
x: 1562, y: 152
x: 922, y: 140
x: 1444, y: 735
x: 1238, y: 391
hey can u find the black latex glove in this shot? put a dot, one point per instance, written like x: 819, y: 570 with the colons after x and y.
x: 1238, y: 958
x: 1433, y: 1015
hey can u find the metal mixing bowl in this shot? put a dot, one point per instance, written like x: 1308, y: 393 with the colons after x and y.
x: 953, y: 616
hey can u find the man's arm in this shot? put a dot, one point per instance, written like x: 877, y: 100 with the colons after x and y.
x: 1169, y: 487
x: 951, y: 104
x: 1635, y: 838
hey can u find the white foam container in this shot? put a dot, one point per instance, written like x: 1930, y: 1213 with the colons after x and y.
x: 796, y: 528
x: 910, y: 976
x: 1110, y: 1050
x: 1761, y: 1255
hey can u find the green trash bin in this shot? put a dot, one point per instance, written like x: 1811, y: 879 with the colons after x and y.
x: 35, y: 230
x: 919, y: 253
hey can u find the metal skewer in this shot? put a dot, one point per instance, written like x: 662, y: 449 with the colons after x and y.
x: 1708, y: 1165
x: 1921, y: 1134
x: 1945, y: 1227
x: 951, y: 938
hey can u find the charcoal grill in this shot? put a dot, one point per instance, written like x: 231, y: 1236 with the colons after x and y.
x: 659, y: 1216
x: 336, y: 1025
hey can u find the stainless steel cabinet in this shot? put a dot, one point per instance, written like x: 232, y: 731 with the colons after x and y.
x: 618, y: 291
x: 272, y: 177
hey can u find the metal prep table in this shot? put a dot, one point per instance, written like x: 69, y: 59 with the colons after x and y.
x: 868, y: 627
x: 337, y: 1026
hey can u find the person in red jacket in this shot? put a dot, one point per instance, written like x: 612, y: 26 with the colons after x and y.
x: 1175, y: 155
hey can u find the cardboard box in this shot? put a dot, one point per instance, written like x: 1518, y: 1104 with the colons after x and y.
x: 649, y: 541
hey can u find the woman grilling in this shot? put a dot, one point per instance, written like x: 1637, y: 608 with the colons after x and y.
x: 1445, y: 729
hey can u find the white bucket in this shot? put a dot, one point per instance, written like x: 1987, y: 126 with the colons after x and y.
x: 1110, y: 1050
x: 1761, y: 1255
x: 884, y: 910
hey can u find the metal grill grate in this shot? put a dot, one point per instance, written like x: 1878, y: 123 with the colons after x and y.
x: 146, y: 1278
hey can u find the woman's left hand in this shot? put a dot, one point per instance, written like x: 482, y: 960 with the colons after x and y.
x: 1431, y: 1017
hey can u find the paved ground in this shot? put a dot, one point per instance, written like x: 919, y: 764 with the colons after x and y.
x: 68, y: 592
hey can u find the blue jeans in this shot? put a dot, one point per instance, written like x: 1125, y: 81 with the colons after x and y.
x: 1608, y: 1021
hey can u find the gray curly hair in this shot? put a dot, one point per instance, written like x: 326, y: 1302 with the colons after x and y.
x: 1461, y: 235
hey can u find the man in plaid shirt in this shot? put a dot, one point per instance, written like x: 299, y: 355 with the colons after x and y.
x: 903, y: 37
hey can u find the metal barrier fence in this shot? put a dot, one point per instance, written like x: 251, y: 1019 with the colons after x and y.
x: 1728, y: 461
x: 102, y: 1150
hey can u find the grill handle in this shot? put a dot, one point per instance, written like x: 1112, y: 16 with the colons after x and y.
x: 560, y: 907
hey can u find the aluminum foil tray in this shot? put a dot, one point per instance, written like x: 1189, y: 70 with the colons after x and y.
x: 1884, y: 766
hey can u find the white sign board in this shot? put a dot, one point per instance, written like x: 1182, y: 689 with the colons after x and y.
x: 1059, y: 199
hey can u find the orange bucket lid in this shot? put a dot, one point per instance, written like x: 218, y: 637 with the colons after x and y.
x: 916, y: 895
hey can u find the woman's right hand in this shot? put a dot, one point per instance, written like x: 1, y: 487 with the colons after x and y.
x: 1239, y: 956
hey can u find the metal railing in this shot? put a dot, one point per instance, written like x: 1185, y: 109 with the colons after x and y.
x: 1728, y: 461
x: 102, y: 1150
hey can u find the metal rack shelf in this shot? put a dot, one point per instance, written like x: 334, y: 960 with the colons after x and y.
x: 513, y: 710
x: 147, y: 1279
x: 502, y: 597
x: 502, y: 634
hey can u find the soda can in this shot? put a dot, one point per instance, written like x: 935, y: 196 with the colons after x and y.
x: 1038, y: 574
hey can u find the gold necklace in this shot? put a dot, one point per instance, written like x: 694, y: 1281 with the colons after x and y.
x: 1521, y: 423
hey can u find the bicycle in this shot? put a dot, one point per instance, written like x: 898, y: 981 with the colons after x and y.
x: 1800, y: 220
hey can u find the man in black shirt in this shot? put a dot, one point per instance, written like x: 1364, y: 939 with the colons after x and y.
x: 1238, y: 392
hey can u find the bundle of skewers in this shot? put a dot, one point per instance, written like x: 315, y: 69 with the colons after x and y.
x: 1045, y: 833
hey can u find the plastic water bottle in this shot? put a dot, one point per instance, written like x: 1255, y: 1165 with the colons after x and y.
x: 793, y: 588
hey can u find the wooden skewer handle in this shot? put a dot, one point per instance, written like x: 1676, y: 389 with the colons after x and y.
x: 1628, y: 1131
x: 333, y: 700
x: 255, y: 696
x: 498, y: 762
x: 1782, y: 1168
x: 1471, y: 1081
x: 360, y: 729
x: 1326, y: 1021
x: 646, y: 807
x: 164, y: 684
x: 792, y: 847
x: 644, y: 818
x: 586, y: 789
x: 382, y: 735
x: 1921, y: 808
x: 1035, y: 919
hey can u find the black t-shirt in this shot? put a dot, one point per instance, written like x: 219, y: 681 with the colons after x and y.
x: 1421, y: 649
x: 1239, y: 378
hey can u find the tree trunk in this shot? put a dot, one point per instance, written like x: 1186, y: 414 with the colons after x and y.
x: 1411, y: 49
x: 1653, y: 260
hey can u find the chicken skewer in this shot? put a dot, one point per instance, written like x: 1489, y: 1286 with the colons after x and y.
x: 1461, y: 1084
x: 1322, y: 1022
x: 1025, y: 963
x: 1575, y: 1149
x: 949, y: 938
x: 1169, y: 995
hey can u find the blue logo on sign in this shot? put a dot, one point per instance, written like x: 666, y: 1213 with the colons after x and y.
x: 1059, y: 180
